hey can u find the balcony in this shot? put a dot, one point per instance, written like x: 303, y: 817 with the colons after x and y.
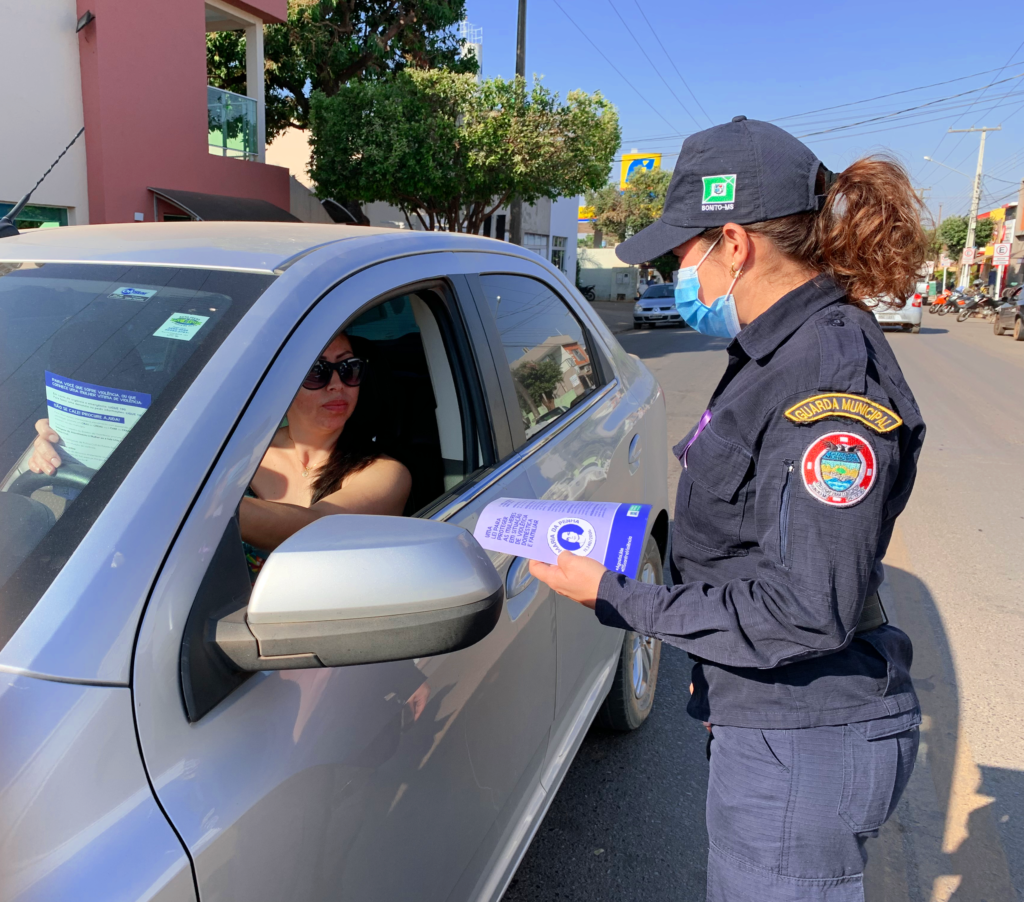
x: 232, y: 124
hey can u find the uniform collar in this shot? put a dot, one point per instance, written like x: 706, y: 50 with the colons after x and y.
x: 761, y: 337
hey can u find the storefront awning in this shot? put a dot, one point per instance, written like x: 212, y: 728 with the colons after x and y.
x: 221, y: 208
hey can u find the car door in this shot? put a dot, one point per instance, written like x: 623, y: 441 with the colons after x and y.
x: 371, y: 782
x: 580, y: 439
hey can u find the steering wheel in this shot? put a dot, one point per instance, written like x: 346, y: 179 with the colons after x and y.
x: 72, y: 476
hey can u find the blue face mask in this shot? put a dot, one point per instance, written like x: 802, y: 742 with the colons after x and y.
x: 718, y: 318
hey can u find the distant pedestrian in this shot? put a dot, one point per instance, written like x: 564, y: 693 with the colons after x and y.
x: 790, y: 487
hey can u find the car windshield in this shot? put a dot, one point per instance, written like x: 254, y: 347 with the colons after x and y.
x: 97, y: 355
x: 656, y: 292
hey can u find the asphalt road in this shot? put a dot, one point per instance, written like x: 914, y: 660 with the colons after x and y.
x: 628, y: 822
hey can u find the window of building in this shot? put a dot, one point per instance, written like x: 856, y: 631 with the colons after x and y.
x: 536, y: 243
x: 545, y: 346
x: 37, y: 217
x: 558, y: 246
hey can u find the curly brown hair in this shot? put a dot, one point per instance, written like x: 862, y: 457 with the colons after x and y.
x: 867, y: 237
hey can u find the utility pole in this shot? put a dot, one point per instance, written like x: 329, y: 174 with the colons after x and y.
x: 515, y: 225
x: 972, y: 225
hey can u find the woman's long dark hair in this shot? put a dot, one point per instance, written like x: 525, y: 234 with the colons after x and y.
x: 364, y: 438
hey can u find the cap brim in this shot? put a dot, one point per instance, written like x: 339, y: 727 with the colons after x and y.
x: 657, y: 239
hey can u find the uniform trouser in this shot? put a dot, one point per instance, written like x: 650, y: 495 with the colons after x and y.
x: 788, y: 811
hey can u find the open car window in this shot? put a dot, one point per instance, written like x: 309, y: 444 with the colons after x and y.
x: 104, y: 352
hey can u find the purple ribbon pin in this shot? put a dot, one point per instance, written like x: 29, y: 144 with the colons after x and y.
x: 705, y: 418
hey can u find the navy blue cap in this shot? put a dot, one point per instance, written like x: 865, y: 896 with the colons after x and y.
x: 745, y: 171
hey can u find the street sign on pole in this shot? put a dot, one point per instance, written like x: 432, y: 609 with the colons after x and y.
x: 944, y: 261
x: 1001, y: 255
x: 968, y: 257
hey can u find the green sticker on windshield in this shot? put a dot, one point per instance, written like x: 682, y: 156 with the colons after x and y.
x: 181, y: 326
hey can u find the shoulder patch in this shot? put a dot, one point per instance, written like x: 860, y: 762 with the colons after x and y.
x: 852, y: 407
x: 838, y: 469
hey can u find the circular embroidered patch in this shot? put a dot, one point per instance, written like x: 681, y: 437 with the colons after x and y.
x: 839, y: 469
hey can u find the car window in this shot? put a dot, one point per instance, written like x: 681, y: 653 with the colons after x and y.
x: 103, y: 352
x: 659, y: 291
x: 545, y: 346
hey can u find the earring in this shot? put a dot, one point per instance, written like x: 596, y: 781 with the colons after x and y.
x: 732, y: 269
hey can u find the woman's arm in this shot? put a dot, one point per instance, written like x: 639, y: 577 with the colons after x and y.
x: 381, y: 488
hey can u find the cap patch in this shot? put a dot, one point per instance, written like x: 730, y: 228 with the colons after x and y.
x: 852, y: 407
x: 719, y: 192
x: 839, y: 469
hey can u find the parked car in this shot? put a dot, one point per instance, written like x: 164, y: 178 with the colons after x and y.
x: 657, y: 306
x: 907, y: 318
x: 388, y: 713
x: 1010, y: 314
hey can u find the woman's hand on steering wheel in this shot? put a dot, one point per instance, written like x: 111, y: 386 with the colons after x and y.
x: 45, y: 458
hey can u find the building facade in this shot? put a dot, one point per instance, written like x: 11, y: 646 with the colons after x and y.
x: 159, y: 142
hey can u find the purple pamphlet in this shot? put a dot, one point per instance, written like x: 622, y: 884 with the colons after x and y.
x: 608, y: 532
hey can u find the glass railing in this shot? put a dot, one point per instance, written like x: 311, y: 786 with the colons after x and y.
x: 232, y: 124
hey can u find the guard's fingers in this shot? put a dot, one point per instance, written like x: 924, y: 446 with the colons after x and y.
x: 542, y: 571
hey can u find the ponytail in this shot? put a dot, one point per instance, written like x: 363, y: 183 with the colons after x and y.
x: 867, y: 237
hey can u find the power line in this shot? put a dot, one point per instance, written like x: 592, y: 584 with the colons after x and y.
x: 614, y: 67
x: 655, y: 68
x: 911, y: 108
x: 670, y: 58
x: 884, y: 96
x: 964, y: 113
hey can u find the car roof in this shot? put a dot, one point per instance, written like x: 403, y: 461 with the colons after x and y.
x: 245, y: 246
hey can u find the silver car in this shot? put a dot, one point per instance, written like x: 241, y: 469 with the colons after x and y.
x: 906, y: 318
x: 657, y: 307
x: 388, y: 712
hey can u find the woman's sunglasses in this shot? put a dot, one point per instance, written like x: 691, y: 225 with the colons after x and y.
x: 350, y: 371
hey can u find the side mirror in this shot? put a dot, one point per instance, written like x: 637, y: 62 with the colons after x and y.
x: 354, y: 589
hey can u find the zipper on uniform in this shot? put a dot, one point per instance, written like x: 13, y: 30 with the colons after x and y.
x: 784, y: 510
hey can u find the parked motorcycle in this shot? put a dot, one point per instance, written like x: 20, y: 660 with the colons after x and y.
x: 588, y: 292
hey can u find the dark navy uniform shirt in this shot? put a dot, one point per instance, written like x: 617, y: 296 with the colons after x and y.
x: 786, y: 503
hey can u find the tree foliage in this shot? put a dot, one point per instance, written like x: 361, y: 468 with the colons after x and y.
x: 327, y: 43
x: 539, y: 379
x: 450, y: 150
x: 624, y: 213
x: 952, y: 232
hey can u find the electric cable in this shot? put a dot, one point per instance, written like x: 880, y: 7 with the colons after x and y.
x: 613, y: 66
x: 672, y: 62
x: 655, y: 68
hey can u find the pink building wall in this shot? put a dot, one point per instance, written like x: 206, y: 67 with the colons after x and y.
x: 144, y: 98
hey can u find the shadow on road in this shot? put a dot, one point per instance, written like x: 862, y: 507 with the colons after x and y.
x: 628, y: 821
x: 946, y: 840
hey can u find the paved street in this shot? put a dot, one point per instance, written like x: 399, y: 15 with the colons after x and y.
x: 628, y: 821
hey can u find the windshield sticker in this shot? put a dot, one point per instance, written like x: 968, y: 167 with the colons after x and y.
x: 132, y: 294
x: 91, y: 420
x: 181, y: 326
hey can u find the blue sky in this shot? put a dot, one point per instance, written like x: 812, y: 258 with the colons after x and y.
x: 770, y: 60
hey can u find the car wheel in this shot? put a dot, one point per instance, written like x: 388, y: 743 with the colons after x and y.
x: 996, y: 328
x: 1018, y: 330
x: 915, y: 329
x: 631, y: 696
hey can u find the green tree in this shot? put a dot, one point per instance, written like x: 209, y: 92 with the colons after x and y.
x: 953, y: 234
x: 539, y: 379
x: 624, y: 213
x: 327, y: 43
x: 451, y: 150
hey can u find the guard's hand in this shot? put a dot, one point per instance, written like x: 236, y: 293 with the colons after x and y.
x: 574, y: 576
x: 45, y: 458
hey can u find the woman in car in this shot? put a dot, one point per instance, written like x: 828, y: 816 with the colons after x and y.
x: 325, y: 459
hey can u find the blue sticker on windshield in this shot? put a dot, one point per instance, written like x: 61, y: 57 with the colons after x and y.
x: 132, y: 294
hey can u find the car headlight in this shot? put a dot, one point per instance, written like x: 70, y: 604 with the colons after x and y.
x: 637, y: 308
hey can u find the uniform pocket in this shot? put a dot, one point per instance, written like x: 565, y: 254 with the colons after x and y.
x: 875, y: 773
x: 787, y: 483
x: 716, y: 499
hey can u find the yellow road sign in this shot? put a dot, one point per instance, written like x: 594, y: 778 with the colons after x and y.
x: 631, y: 162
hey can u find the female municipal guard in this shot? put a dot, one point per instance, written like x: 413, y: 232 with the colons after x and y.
x: 790, y: 485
